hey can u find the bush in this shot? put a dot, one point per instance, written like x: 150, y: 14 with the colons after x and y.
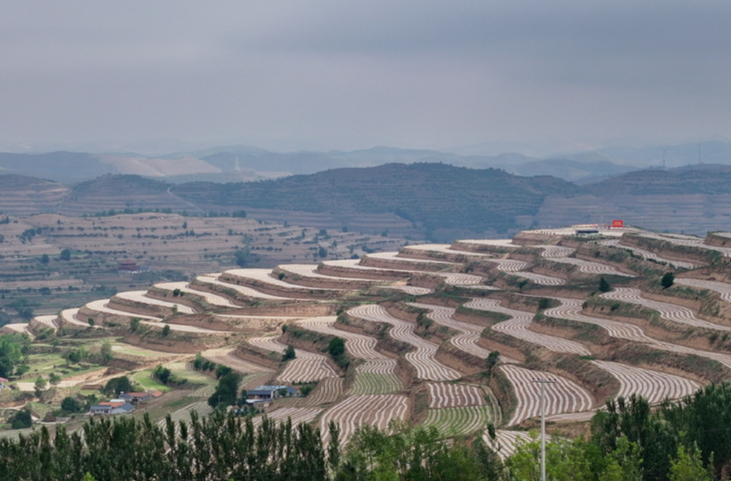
x: 604, y: 285
x: 117, y: 385
x: 21, y: 420
x: 288, y: 354
x: 667, y: 280
x: 222, y: 370
x: 166, y: 330
x: 162, y: 373
x: 70, y: 405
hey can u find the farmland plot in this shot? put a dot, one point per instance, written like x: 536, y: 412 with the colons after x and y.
x: 377, y: 375
x: 448, y: 395
x: 243, y: 290
x: 516, y: 268
x: 327, y: 391
x: 669, y: 312
x: 458, y: 421
x: 49, y: 321
x: 552, y: 252
x: 305, y: 367
x: 653, y: 385
x: 441, y: 249
x: 212, y: 299
x: 518, y: 327
x: 685, y: 240
x: 395, y: 256
x: 297, y: 415
x: 265, y: 275
x: 571, y: 309
x: 413, y: 290
x: 720, y: 287
x: 141, y: 298
x: 226, y: 357
x: 310, y: 270
x: 355, y: 411
x: 467, y: 341
x: 423, y: 358
x: 588, y: 267
x: 647, y: 254
x: 69, y: 316
x: 101, y: 307
x: 183, y: 414
x: 563, y: 396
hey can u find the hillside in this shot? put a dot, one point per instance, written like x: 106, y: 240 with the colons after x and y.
x: 436, y: 335
x: 438, y: 197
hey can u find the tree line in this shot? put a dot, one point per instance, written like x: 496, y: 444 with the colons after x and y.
x: 690, y: 440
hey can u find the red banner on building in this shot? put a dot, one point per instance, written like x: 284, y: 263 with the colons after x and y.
x: 617, y: 224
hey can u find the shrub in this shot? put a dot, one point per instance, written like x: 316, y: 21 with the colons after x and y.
x: 604, y: 285
x: 288, y: 354
x: 667, y: 280
x: 21, y: 420
x: 70, y: 405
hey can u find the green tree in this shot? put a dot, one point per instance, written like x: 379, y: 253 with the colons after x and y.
x: 134, y: 324
x: 117, y: 385
x: 162, y: 373
x: 54, y: 379
x: 91, y: 321
x: 289, y: 353
x: 604, y: 285
x: 65, y: 255
x: 667, y: 280
x: 106, y: 352
x: 39, y: 385
x: 166, y: 330
x: 70, y: 404
x: 21, y: 420
x: 222, y: 370
x: 688, y: 466
x: 45, y: 259
x: 492, y: 360
x: 322, y: 252
x: 226, y: 392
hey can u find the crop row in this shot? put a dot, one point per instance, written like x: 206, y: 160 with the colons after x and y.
x: 562, y: 396
x: 422, y: 358
x: 518, y: 326
x: 458, y: 421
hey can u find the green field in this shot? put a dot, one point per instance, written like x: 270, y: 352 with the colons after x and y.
x: 458, y: 421
x: 370, y: 383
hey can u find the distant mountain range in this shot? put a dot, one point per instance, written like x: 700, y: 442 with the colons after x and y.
x: 421, y: 200
x: 248, y: 163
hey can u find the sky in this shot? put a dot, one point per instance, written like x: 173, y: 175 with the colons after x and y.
x: 311, y: 74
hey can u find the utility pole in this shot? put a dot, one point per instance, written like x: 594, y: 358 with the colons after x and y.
x: 543, y: 383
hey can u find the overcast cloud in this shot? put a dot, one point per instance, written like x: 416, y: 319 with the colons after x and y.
x: 333, y: 74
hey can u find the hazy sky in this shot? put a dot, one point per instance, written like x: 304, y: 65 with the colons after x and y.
x: 335, y: 74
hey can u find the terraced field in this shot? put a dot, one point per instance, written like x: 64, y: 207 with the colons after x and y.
x: 423, y: 357
x: 184, y: 287
x: 459, y: 421
x: 296, y: 415
x: 518, y: 326
x: 720, y: 287
x: 467, y: 341
x: 243, y: 290
x: 226, y: 357
x: 571, y: 309
x: 377, y: 375
x: 563, y: 396
x: 669, y: 312
x: 653, y: 385
x: 648, y: 255
x: 369, y: 391
x: 449, y: 395
x: 141, y: 298
x: 305, y: 367
x: 374, y: 410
